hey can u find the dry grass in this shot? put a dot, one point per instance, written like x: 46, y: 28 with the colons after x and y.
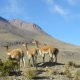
x: 73, y: 64
x: 67, y: 72
x: 77, y: 75
x: 30, y: 73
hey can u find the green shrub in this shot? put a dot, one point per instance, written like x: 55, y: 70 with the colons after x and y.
x: 8, y: 67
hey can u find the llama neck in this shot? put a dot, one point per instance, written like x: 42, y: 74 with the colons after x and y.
x: 26, y: 47
x: 7, y: 48
x: 37, y: 44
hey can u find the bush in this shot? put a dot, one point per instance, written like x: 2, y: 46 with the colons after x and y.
x: 30, y: 73
x: 8, y: 67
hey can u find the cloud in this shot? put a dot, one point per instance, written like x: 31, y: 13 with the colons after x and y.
x: 58, y: 9
x: 73, y: 2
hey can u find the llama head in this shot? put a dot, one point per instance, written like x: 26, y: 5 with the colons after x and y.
x: 8, y: 54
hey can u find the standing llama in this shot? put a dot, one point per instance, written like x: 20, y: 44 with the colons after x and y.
x: 52, y: 51
x: 31, y: 54
x: 16, y: 54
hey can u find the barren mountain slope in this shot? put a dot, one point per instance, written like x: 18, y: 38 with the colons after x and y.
x: 40, y: 35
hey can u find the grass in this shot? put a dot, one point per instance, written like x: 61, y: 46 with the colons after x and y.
x: 30, y: 73
x: 51, y: 72
x: 77, y: 75
x: 71, y: 63
x: 67, y: 73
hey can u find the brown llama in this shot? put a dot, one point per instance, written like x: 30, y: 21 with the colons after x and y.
x: 52, y: 51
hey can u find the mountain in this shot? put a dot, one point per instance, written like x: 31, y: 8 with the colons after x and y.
x: 27, y: 31
x: 39, y: 34
x: 18, y: 30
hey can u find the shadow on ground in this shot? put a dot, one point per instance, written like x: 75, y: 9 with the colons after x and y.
x: 16, y: 73
x: 43, y: 77
x: 48, y: 64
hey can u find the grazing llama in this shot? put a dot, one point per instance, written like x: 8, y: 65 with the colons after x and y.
x: 31, y: 54
x: 16, y: 54
x: 52, y: 51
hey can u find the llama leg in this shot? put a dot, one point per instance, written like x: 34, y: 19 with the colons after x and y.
x: 43, y: 58
x: 55, y: 54
x: 33, y: 61
x: 50, y: 60
x: 55, y: 58
x: 23, y: 62
x: 29, y: 61
x: 50, y: 57
x: 19, y: 65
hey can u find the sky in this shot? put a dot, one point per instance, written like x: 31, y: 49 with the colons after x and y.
x: 59, y: 18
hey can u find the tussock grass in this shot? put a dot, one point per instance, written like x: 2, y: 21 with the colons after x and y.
x: 77, y: 75
x: 30, y: 73
x: 67, y: 73
x: 71, y: 63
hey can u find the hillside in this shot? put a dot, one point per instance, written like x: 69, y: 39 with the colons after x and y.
x: 18, y: 30
x: 39, y: 34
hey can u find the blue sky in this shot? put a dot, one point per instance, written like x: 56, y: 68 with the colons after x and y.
x: 59, y: 18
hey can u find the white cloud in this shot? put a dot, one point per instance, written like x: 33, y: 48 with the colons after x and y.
x: 58, y: 9
x: 55, y: 8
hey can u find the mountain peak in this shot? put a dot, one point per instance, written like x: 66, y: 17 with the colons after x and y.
x: 26, y: 25
x: 2, y: 19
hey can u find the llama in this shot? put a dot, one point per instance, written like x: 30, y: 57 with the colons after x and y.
x: 16, y: 54
x: 31, y: 54
x: 52, y: 51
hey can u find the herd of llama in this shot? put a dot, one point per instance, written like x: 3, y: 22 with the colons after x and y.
x: 32, y: 53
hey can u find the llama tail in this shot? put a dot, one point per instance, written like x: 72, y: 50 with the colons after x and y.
x: 56, y: 51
